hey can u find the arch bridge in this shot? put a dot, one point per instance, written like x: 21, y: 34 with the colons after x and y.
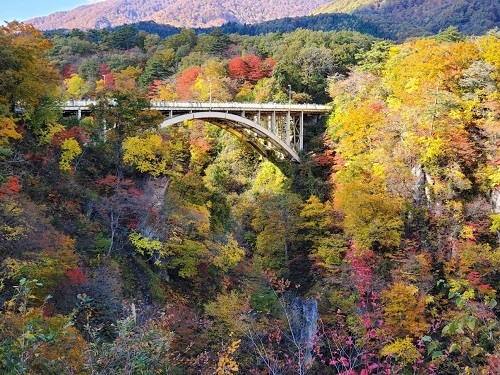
x: 271, y: 128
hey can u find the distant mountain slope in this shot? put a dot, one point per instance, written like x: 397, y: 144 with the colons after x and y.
x: 406, y: 18
x: 181, y: 13
x: 324, y: 22
x: 342, y: 6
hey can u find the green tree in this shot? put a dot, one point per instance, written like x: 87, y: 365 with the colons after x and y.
x: 275, y: 225
x: 126, y: 115
x: 123, y: 38
x: 159, y: 66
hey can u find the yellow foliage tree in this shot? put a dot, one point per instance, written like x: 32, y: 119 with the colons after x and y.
x: 372, y: 216
x: 402, y: 350
x: 166, y: 92
x: 227, y: 310
x: 146, y: 246
x: 316, y: 221
x: 70, y: 150
x: 7, y: 131
x: 490, y: 51
x: 270, y: 178
x: 148, y: 154
x: 403, y: 309
x: 228, y: 254
x: 226, y: 365
x: 26, y: 76
x: 75, y: 87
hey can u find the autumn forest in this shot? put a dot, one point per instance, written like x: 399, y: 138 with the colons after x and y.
x: 130, y: 249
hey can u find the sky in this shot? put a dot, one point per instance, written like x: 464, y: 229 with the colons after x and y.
x: 22, y: 10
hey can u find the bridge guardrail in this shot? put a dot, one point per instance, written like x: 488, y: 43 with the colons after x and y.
x: 82, y: 103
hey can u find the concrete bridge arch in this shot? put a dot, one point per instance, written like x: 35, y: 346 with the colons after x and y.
x: 262, y: 139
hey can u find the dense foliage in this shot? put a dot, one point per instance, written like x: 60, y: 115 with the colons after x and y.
x: 129, y: 249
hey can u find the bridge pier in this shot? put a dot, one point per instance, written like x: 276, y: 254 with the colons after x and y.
x: 301, y: 132
x: 287, y: 130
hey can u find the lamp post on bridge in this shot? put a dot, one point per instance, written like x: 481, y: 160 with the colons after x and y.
x: 210, y: 85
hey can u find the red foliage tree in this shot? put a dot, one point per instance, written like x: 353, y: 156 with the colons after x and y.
x: 254, y: 68
x: 109, y: 80
x: 251, y: 68
x: 75, y: 276
x: 12, y: 186
x: 238, y: 69
x: 75, y: 132
x: 154, y: 88
x: 185, y: 82
x: 103, y: 70
x: 68, y: 71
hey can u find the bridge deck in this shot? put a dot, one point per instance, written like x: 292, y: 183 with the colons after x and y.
x: 75, y: 105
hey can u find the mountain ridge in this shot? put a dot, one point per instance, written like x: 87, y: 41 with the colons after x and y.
x: 179, y: 13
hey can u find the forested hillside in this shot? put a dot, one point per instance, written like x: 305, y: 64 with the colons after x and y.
x: 125, y: 248
x: 320, y: 22
x: 401, y: 19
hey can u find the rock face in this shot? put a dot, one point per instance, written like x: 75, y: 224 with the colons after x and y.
x: 304, y: 322
x: 180, y: 13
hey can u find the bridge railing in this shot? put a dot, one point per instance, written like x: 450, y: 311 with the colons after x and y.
x: 222, y: 106
x: 239, y: 105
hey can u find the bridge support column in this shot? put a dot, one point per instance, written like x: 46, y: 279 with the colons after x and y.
x: 301, y: 132
x: 79, y: 114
